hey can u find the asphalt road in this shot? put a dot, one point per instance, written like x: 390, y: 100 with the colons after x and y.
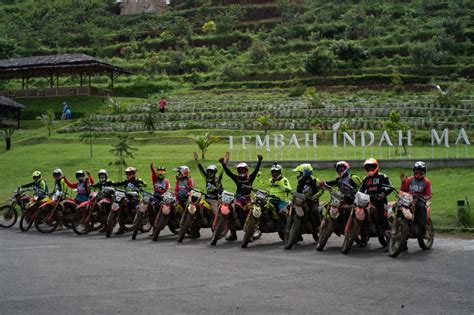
x: 64, y: 273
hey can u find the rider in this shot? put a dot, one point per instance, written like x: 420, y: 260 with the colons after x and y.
x: 59, y: 183
x: 347, y: 182
x: 376, y: 185
x: 420, y: 187
x: 38, y: 184
x: 132, y: 183
x: 213, y: 178
x: 241, y: 180
x: 309, y: 186
x: 103, y: 182
x: 184, y: 185
x: 82, y: 185
x: 160, y: 183
x: 279, y: 187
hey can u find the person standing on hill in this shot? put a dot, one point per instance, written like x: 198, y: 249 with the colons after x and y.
x: 163, y: 104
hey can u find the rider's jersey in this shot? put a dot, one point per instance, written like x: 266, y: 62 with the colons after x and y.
x: 240, y: 182
x: 419, y: 187
x: 279, y: 187
x: 374, y: 185
x: 40, y: 186
x: 101, y: 185
x: 183, y: 186
x: 345, y: 183
x: 60, y: 186
x: 82, y: 187
x: 309, y: 186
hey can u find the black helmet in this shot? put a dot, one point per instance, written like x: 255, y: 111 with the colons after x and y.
x: 419, y: 166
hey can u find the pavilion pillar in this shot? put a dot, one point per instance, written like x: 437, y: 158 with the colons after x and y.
x: 23, y: 83
x: 57, y: 81
x: 112, y: 79
x: 81, y: 79
x: 51, y: 81
x: 27, y: 81
x: 89, y: 80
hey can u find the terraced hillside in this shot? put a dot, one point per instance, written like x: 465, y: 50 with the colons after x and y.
x: 242, y: 111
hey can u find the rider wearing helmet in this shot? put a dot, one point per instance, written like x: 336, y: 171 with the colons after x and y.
x: 279, y: 187
x: 376, y: 185
x: 241, y: 180
x: 213, y: 178
x: 347, y: 182
x: 59, y: 183
x: 309, y: 185
x: 160, y: 183
x: 420, y: 187
x: 184, y: 184
x: 38, y: 184
x: 82, y: 185
x: 104, y: 180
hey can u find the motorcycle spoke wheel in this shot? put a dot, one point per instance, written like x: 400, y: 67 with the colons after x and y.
x: 27, y: 220
x: 81, y: 222
x: 8, y: 216
x: 46, y: 220
x: 398, y: 240
x: 426, y: 241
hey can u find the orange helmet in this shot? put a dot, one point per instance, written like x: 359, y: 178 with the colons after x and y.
x: 371, y: 165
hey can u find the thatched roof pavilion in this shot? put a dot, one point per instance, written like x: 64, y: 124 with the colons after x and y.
x: 9, y: 113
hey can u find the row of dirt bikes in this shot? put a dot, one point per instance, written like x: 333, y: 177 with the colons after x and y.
x: 143, y: 212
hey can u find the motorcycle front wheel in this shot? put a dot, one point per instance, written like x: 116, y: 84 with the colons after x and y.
x: 220, y: 226
x: 326, y: 230
x: 81, y: 221
x: 427, y: 243
x: 293, y: 232
x: 187, y: 222
x: 8, y: 215
x: 111, y: 222
x: 27, y: 220
x: 249, y: 230
x: 398, y: 240
x: 350, y: 236
x: 47, y: 220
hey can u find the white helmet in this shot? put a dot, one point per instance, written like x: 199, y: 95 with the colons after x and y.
x: 102, y: 172
x: 211, y: 168
x: 58, y: 171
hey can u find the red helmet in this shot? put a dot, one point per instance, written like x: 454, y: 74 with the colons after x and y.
x: 371, y: 165
x: 242, y: 169
x: 342, y: 168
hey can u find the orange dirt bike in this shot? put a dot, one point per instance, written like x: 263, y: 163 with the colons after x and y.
x: 91, y: 215
x: 334, y: 217
x: 31, y: 210
x: 197, y: 214
x: 145, y: 214
x: 361, y: 221
x: 264, y: 217
x: 17, y: 203
x: 59, y: 209
x: 122, y: 211
x: 220, y: 226
x: 168, y: 215
x: 404, y: 224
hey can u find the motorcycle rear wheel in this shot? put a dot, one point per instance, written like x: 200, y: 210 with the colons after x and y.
x: 427, y: 243
x: 326, y: 230
x: 350, y: 236
x: 8, y: 215
x: 398, y: 240
x: 46, y: 221
x: 80, y: 225
x: 293, y: 232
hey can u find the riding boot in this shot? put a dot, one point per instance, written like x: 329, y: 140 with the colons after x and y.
x: 233, y: 236
x: 121, y: 229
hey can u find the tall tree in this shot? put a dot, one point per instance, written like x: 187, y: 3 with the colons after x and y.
x: 88, y: 132
x: 122, y: 150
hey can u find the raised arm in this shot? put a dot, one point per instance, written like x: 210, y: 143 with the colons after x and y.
x: 257, y: 169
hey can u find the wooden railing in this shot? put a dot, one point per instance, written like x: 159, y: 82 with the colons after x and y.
x: 54, y: 92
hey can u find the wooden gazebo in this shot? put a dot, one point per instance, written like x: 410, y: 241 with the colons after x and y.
x: 9, y: 113
x: 53, y: 67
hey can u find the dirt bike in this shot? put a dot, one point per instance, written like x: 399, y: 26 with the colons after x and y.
x: 91, y: 215
x: 122, y: 210
x: 334, y: 217
x: 220, y: 225
x: 300, y: 221
x: 144, y: 215
x: 167, y: 215
x: 361, y: 222
x: 31, y: 210
x: 197, y: 211
x: 403, y: 224
x: 9, y: 212
x: 264, y: 217
x: 59, y: 209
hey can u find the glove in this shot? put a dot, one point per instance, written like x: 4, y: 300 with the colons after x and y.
x: 260, y: 157
x: 222, y: 160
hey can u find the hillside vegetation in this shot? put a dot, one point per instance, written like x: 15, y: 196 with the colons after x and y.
x: 258, y: 44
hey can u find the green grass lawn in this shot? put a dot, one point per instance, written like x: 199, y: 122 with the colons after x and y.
x: 66, y: 152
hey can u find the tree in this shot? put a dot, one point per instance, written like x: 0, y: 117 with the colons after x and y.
x: 88, y: 132
x: 48, y: 120
x: 314, y: 98
x: 7, y: 135
x: 393, y: 124
x: 149, y: 123
x: 319, y: 61
x: 114, y: 105
x: 209, y: 27
x: 204, y: 142
x: 122, y: 150
x: 265, y: 122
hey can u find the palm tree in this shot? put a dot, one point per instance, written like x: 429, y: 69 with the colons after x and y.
x: 204, y: 142
x: 48, y: 120
x: 121, y: 150
x: 7, y: 135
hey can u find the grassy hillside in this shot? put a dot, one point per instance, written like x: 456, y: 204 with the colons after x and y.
x: 255, y: 45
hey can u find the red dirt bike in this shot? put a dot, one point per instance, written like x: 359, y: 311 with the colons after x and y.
x: 361, y: 221
x: 52, y: 213
x: 167, y: 215
x: 264, y: 217
x: 403, y: 225
x: 122, y: 210
x: 91, y: 215
x: 145, y: 214
x: 9, y: 212
x: 220, y: 225
x: 197, y: 214
x: 334, y: 217
x: 31, y: 210
x: 300, y: 221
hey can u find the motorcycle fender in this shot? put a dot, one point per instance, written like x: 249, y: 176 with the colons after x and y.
x: 407, y: 213
x: 334, y: 212
x: 47, y: 204
x: 192, y: 208
x: 225, y: 209
x: 115, y: 207
x: 142, y: 207
x: 166, y: 209
x: 257, y: 211
x: 299, y: 211
x: 84, y: 204
x: 360, y: 214
x: 104, y: 200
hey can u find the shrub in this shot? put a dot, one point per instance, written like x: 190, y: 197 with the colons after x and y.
x: 297, y: 90
x: 259, y: 53
x: 348, y: 52
x: 425, y: 54
x: 209, y: 27
x: 320, y: 61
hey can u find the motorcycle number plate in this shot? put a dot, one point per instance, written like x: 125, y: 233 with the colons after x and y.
x: 299, y: 211
x: 257, y: 211
x: 115, y: 206
x: 334, y: 212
